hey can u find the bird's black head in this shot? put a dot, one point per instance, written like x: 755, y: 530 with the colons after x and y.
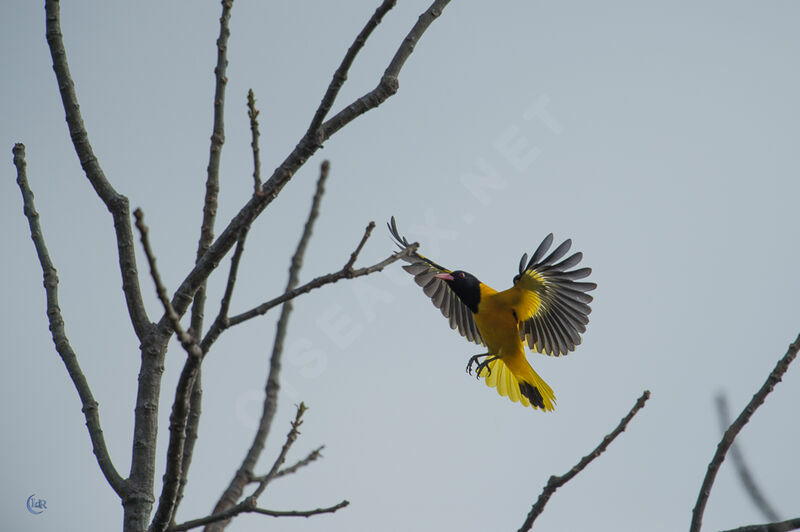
x: 466, y: 286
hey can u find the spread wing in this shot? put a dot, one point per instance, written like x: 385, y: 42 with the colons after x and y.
x: 557, y: 322
x: 443, y: 298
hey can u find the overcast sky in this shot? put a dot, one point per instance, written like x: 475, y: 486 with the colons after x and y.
x: 661, y: 138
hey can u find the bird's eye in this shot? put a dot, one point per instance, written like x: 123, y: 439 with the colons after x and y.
x: 461, y: 275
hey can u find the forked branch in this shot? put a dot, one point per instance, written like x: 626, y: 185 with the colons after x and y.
x: 240, y: 479
x: 116, y: 203
x: 250, y: 503
x: 556, y: 482
x: 344, y: 273
x: 758, y: 399
x: 340, y: 76
x: 347, y: 272
x: 742, y: 470
x: 186, y: 340
x: 183, y: 391
x: 312, y: 456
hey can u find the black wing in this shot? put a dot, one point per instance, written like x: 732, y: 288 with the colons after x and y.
x: 443, y: 298
x: 556, y: 326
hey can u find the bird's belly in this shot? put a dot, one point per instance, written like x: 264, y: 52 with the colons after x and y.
x: 499, y: 331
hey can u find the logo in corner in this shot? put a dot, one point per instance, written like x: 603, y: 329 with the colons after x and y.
x: 36, y: 506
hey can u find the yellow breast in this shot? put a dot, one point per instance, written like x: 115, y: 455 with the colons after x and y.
x: 497, y: 322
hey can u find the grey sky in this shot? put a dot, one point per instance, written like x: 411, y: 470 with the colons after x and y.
x: 662, y: 138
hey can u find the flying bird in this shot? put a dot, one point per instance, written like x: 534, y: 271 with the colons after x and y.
x: 547, y: 308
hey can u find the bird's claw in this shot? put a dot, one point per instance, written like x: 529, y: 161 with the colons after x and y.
x: 485, y: 365
x: 480, y: 365
x: 474, y: 360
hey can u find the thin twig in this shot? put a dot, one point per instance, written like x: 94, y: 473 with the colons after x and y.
x: 340, y: 76
x: 758, y: 399
x: 252, y: 113
x: 748, y: 481
x: 57, y: 328
x: 186, y: 340
x: 234, y: 490
x: 225, y: 302
x: 221, y: 325
x: 183, y: 391
x: 556, y: 482
x: 782, y: 526
x: 354, y: 255
x: 312, y: 456
x: 290, y: 439
x: 320, y: 282
x: 116, y: 203
x: 305, y: 513
x: 236, y: 510
x: 215, y: 155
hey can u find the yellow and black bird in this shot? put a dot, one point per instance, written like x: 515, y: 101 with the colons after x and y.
x: 546, y: 307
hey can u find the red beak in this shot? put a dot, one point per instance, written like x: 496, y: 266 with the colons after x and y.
x: 445, y: 276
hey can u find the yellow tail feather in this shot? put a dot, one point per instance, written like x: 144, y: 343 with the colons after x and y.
x: 523, y: 386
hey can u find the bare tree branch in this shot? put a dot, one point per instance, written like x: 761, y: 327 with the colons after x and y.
x: 218, y: 520
x: 783, y: 526
x: 290, y: 439
x: 236, y: 510
x: 138, y: 500
x: 234, y: 490
x: 556, y: 482
x: 221, y: 321
x: 354, y: 255
x: 116, y: 203
x: 727, y: 439
x: 252, y: 113
x: 210, y: 205
x: 317, y: 283
x: 312, y: 456
x: 340, y: 76
x: 186, y: 340
x: 748, y: 481
x: 180, y: 407
x: 305, y: 513
x: 90, y: 406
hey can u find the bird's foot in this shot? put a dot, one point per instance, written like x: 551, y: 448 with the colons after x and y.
x: 474, y: 360
x: 485, y: 365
